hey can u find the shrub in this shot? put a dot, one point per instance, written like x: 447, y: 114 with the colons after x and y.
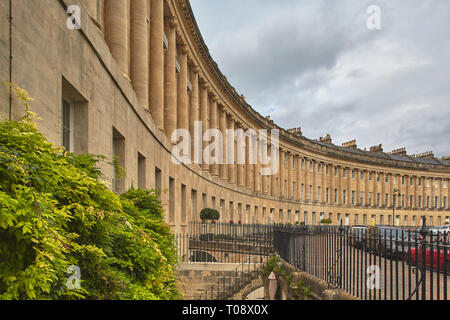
x: 209, y: 214
x: 326, y: 221
x: 56, y: 212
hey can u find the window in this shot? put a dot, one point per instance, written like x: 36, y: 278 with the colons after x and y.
x: 411, y: 201
x: 428, y: 182
x: 171, y: 200
x: 328, y: 195
x: 344, y: 173
x: 378, y: 199
x: 436, y: 202
x: 386, y: 179
x: 66, y: 125
x: 378, y: 177
x: 119, y: 154
x: 335, y: 172
x: 353, y: 197
x: 157, y: 179
x: 268, y: 184
x: 319, y: 168
x: 302, y: 191
x: 310, y: 166
x: 74, y: 119
x: 335, y: 195
x: 183, y: 204
x: 285, y: 160
x: 141, y: 171
x: 353, y: 174
x: 310, y: 192
x: 327, y: 170
x: 318, y: 193
x: 395, y: 179
x: 436, y: 183
x: 445, y: 203
x: 362, y: 175
x: 411, y: 181
x: 386, y: 200
x: 370, y: 198
x: 420, y: 202
x: 403, y: 179
x: 303, y: 164
x: 420, y: 182
x: 293, y: 189
x: 285, y: 188
x: 370, y: 176
x: 293, y: 162
x: 403, y: 201
x: 345, y: 197
x: 362, y: 198
x: 428, y: 202
x: 444, y: 184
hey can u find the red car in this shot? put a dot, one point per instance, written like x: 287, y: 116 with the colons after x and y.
x: 414, y: 257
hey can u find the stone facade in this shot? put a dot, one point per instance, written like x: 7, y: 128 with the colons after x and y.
x: 126, y: 93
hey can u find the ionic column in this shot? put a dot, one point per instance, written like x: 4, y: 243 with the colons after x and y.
x: 257, y: 183
x: 116, y: 32
x: 156, y: 92
x: 214, y: 168
x: 204, y: 115
x: 194, y: 106
x: 273, y: 177
x: 183, y: 111
x: 170, y: 78
x: 240, y: 167
x: 139, y: 50
x: 223, y: 170
x: 231, y: 150
x: 358, y: 187
x: 248, y: 166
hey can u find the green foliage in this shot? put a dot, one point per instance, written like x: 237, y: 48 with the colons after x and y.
x: 271, y: 266
x: 326, y: 221
x: 209, y: 214
x: 56, y: 212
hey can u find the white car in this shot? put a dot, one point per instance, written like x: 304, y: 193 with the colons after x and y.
x: 440, y: 230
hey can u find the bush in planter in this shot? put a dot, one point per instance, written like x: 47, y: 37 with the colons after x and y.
x: 209, y: 214
x: 326, y: 221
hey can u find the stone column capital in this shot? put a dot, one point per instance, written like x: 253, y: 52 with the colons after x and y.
x: 171, y: 22
x: 183, y: 48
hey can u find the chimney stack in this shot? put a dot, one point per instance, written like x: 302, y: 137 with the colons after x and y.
x: 350, y: 144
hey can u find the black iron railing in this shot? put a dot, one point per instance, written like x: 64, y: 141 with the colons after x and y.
x: 372, y: 263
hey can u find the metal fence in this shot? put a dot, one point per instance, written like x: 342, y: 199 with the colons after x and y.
x: 224, y: 243
x: 372, y: 263
x: 245, y: 245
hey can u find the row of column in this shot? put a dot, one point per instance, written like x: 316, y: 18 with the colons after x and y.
x: 135, y: 32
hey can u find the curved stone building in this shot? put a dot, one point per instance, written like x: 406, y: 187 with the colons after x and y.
x: 117, y: 77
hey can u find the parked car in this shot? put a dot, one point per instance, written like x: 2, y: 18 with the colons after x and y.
x: 440, y: 230
x: 358, y: 236
x: 387, y: 241
x: 435, y: 258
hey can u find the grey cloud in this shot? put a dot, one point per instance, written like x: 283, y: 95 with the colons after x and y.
x: 314, y: 64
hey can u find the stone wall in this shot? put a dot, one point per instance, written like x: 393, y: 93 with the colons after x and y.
x: 312, y: 288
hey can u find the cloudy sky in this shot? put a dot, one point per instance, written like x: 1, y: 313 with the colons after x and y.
x: 315, y: 64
